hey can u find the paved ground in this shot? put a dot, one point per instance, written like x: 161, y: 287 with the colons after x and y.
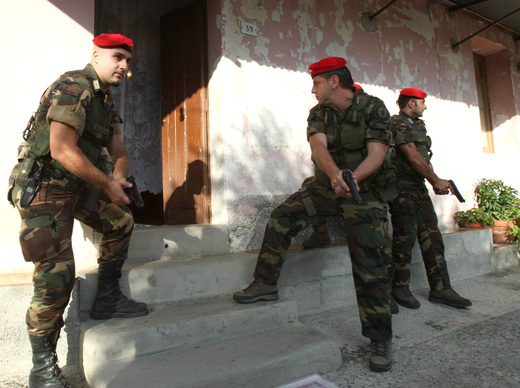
x: 435, y: 346
x: 438, y: 346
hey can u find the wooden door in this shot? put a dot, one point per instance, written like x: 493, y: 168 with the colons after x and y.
x: 186, y: 189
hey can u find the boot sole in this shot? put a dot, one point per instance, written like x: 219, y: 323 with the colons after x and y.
x: 380, y: 368
x: 407, y: 304
x: 100, y: 316
x: 443, y: 301
x: 242, y: 299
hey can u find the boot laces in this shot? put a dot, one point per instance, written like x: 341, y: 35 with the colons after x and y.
x: 381, y: 348
x: 256, y: 283
x: 55, y: 371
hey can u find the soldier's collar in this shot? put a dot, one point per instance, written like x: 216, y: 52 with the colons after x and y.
x: 94, y: 77
x: 410, y: 119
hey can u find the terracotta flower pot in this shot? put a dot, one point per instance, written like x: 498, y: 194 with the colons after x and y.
x: 500, y: 235
x: 475, y: 225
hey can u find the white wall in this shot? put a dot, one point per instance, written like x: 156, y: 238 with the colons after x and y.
x: 39, y: 42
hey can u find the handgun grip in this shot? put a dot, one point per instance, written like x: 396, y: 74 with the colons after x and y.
x: 349, y: 180
x: 456, y: 192
x: 133, y: 193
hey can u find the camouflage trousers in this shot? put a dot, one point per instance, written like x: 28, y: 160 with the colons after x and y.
x: 387, y: 249
x: 45, y: 239
x: 413, y: 217
x: 365, y: 226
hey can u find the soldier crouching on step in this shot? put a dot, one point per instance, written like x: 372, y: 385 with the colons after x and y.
x: 62, y: 175
x: 348, y: 129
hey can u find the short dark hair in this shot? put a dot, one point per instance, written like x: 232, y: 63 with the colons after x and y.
x: 402, y: 100
x: 345, y: 78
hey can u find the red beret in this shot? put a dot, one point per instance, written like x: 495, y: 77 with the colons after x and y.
x: 326, y: 64
x: 358, y: 87
x: 113, y: 40
x: 413, y: 92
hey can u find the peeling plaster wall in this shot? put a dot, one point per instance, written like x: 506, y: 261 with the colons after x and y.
x: 260, y: 96
x: 260, y: 93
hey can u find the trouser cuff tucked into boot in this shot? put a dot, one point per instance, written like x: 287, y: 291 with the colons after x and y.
x: 45, y: 372
x: 381, y: 355
x: 110, y: 302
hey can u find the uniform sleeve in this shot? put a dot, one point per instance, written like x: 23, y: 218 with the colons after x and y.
x: 68, y: 100
x: 401, y: 131
x: 315, y: 122
x: 379, y: 127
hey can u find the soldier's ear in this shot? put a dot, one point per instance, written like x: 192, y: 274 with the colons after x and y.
x: 335, y: 80
x: 95, y: 55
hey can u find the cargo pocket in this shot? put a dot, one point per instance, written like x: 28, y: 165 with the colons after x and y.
x: 40, y: 238
x: 404, y: 205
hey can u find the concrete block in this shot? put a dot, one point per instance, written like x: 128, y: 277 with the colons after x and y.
x: 260, y: 360
x: 505, y: 256
x: 178, y: 280
x: 337, y: 291
x: 151, y: 243
x: 178, y: 327
x: 316, y: 264
x: 307, y: 295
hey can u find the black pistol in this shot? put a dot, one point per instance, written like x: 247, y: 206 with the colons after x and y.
x: 456, y: 192
x: 133, y: 193
x: 32, y: 185
x: 349, y: 180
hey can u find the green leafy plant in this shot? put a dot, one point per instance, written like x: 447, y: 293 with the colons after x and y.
x: 502, y: 202
x: 497, y: 199
x: 513, y: 232
x: 475, y: 215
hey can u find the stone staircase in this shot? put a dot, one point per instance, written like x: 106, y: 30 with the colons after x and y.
x: 195, y: 335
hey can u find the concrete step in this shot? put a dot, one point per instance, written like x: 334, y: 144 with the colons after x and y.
x: 173, y: 327
x: 177, y: 281
x: 151, y: 243
x: 316, y: 279
x: 262, y: 359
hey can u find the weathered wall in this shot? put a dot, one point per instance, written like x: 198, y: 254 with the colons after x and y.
x: 260, y: 93
x: 260, y: 121
x: 40, y: 40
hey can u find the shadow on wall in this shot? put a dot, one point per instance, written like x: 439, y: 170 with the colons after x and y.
x: 79, y: 11
x: 182, y: 204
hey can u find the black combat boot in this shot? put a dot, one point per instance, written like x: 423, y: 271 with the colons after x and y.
x: 319, y: 238
x: 45, y: 372
x: 110, y: 302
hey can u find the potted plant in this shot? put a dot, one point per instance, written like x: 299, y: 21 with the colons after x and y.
x: 475, y: 217
x: 502, y: 203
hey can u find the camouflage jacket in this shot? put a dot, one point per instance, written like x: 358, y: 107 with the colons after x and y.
x: 348, y: 133
x: 407, y: 130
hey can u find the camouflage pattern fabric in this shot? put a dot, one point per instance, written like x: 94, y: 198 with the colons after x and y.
x: 413, y: 217
x: 46, y: 231
x: 407, y: 130
x: 387, y: 249
x: 45, y: 238
x: 68, y: 98
x: 365, y: 227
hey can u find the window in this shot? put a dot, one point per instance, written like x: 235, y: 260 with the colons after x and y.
x: 483, y: 103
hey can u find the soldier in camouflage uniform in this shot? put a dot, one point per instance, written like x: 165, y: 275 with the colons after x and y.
x: 76, y: 120
x: 348, y: 129
x: 413, y: 215
x: 320, y: 236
